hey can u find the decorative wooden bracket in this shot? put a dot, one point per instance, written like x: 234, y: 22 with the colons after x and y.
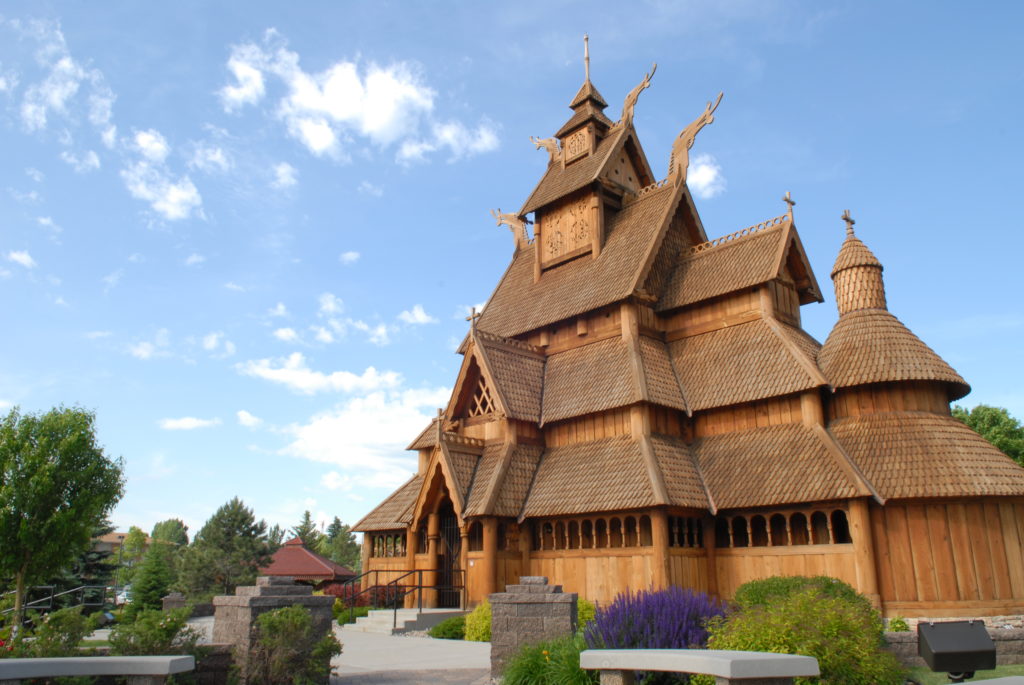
x: 679, y: 162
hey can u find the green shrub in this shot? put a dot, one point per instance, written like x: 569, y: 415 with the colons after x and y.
x: 898, y: 624
x: 843, y: 634
x: 56, y: 634
x: 478, y: 623
x: 453, y: 628
x: 155, y: 632
x: 556, y: 662
x: 343, y: 614
x: 288, y: 651
x: 770, y: 590
x: 585, y: 611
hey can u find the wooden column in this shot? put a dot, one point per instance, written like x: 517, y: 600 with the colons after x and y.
x: 811, y: 411
x: 525, y: 545
x: 489, y: 562
x: 710, y: 547
x: 864, y: 550
x: 597, y: 227
x: 464, y: 564
x: 430, y: 576
x: 659, y: 540
x: 364, y: 558
x: 412, y: 543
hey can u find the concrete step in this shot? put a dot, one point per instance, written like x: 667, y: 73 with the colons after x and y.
x: 383, y: 620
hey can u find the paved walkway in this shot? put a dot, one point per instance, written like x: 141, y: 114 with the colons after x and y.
x: 398, y: 660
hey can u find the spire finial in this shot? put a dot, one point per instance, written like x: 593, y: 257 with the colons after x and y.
x: 473, y: 316
x: 849, y: 221
x: 586, y: 56
x: 788, y: 199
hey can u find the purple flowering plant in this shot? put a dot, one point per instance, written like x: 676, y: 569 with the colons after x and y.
x: 673, y: 618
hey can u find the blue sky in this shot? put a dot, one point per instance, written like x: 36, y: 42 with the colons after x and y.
x: 247, y: 234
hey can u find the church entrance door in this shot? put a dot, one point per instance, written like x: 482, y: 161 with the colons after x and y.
x: 449, y: 551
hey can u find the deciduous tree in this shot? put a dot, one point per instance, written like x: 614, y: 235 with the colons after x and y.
x: 172, y: 530
x: 56, y: 486
x: 996, y: 425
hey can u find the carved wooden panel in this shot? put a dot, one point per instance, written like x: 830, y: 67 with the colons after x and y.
x: 567, y: 231
x: 623, y: 173
x: 577, y: 145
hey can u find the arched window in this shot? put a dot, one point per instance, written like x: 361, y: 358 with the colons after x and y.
x: 601, y: 533
x: 645, y: 531
x: 476, y: 536
x: 819, y: 529
x: 722, y: 537
x: 777, y: 523
x: 615, y: 533
x: 630, y: 532
x: 587, y: 535
x: 548, y: 537
x: 798, y: 529
x: 840, y: 527
x: 574, y: 535
x: 758, y: 531
x: 739, y: 532
x: 559, y: 536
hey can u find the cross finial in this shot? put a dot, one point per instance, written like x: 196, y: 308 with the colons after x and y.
x: 849, y: 221
x: 788, y: 199
x: 473, y: 316
x: 440, y: 423
x: 586, y: 56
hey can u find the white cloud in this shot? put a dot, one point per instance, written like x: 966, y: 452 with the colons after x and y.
x: 331, y: 304
x: 366, y: 436
x: 187, y: 423
x: 60, y: 302
x: 452, y: 136
x: 152, y: 144
x: 148, y: 349
x: 52, y: 93
x: 416, y: 315
x: 49, y: 224
x: 111, y: 280
x: 6, y: 404
x: 231, y: 285
x: 350, y: 257
x: 326, y: 111
x: 278, y: 310
x: 367, y: 188
x: 322, y: 334
x: 286, y: 335
x: 465, y: 311
x: 212, y: 340
x: 96, y: 335
x: 35, y: 174
x: 194, y: 259
x: 248, y: 420
x: 285, y: 176
x: 136, y: 258
x: 294, y: 373
x: 89, y: 161
x: 215, y: 342
x: 705, y: 177
x: 210, y: 160
x: 22, y: 257
x: 378, y: 335
x: 149, y: 179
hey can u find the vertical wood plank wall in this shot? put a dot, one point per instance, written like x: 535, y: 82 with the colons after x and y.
x: 739, y: 565
x: 598, y: 576
x: 950, y: 559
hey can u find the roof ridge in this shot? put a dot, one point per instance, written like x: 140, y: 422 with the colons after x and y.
x: 517, y: 345
x: 731, y: 238
x: 810, y: 367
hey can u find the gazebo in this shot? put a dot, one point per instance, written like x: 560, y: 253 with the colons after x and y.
x: 297, y: 561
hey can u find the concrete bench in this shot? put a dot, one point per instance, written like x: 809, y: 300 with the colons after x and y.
x: 742, y: 668
x: 141, y: 670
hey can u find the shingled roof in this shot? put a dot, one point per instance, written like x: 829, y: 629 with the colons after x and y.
x: 394, y: 512
x: 519, y: 304
x: 773, y: 465
x: 921, y: 454
x: 873, y: 346
x: 603, y: 475
x: 517, y: 372
x: 502, y: 479
x: 293, y: 559
x: 744, y: 363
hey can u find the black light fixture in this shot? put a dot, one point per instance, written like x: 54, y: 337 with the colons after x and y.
x: 958, y: 648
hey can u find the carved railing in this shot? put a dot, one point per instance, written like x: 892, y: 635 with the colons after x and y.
x: 750, y: 230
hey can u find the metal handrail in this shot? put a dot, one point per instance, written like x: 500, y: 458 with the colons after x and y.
x: 401, y: 594
x: 46, y: 603
x: 394, y: 592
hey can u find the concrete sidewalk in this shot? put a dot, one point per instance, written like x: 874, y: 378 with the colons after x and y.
x: 401, y: 660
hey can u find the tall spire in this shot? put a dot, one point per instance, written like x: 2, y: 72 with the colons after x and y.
x: 857, y: 274
x: 586, y: 57
x: 588, y: 104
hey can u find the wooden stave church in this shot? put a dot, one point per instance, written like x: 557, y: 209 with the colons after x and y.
x: 639, y: 406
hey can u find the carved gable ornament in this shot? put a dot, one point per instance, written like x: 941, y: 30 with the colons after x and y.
x: 577, y: 144
x: 567, y: 231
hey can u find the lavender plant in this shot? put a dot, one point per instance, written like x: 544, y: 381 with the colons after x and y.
x: 673, y: 618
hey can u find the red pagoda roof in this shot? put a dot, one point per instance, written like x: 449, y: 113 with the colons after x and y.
x: 293, y: 559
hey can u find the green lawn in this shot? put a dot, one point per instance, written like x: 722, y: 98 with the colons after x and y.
x: 926, y: 677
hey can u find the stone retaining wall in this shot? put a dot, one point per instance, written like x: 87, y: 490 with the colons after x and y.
x: 1009, y: 646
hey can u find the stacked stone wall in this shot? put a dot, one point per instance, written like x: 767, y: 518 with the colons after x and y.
x: 528, y: 613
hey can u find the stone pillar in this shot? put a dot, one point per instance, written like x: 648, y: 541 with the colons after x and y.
x: 489, y: 563
x: 527, y: 613
x: 234, y: 618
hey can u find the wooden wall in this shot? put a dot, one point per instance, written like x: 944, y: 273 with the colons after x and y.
x: 737, y: 565
x: 770, y: 412
x: 944, y: 559
x: 600, y: 325
x: 590, y: 427
x: 713, y: 314
x: 688, y: 568
x: 888, y: 397
x: 597, y: 575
